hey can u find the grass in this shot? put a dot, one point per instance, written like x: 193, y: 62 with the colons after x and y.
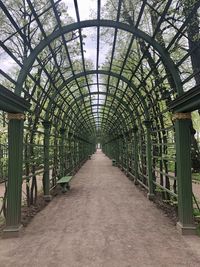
x: 196, y: 212
x: 196, y: 176
x: 2, y: 220
x: 198, y: 229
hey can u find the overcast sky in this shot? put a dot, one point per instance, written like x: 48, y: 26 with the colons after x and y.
x: 85, y: 9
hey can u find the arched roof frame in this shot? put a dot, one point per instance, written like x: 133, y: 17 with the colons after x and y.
x: 110, y: 122
x: 109, y: 73
x: 72, y: 102
x: 113, y: 113
x: 124, y: 79
x: 165, y: 58
x: 77, y: 123
x: 80, y: 98
x: 167, y: 61
x: 52, y: 101
x: 123, y: 103
x: 76, y: 128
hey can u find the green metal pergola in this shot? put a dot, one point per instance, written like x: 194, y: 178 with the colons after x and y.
x: 135, y: 99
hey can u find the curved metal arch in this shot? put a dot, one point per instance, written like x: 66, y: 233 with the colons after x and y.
x: 76, y: 128
x: 130, y: 84
x: 104, y: 72
x: 115, y: 130
x: 94, y: 93
x: 106, y: 107
x: 89, y: 118
x: 73, y: 102
x: 99, y: 23
x: 104, y: 84
x: 105, y: 132
x: 124, y: 110
x: 75, y: 120
x: 100, y: 93
x: 125, y: 118
x: 111, y: 123
x: 67, y: 121
x: 92, y: 115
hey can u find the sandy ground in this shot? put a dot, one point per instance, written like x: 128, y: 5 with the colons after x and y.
x: 104, y: 221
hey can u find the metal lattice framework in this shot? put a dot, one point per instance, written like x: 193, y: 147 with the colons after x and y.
x: 144, y: 68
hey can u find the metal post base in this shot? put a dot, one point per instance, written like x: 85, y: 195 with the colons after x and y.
x: 12, y: 231
x: 186, y: 230
x: 136, y: 182
x: 150, y: 196
x: 47, y: 198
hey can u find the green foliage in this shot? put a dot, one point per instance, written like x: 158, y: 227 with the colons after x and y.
x: 196, y: 176
x: 2, y: 220
x: 198, y: 229
x: 196, y: 212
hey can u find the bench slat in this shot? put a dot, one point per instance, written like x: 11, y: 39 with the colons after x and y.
x: 64, y: 179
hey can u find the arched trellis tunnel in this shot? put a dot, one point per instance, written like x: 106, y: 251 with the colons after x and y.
x: 127, y: 78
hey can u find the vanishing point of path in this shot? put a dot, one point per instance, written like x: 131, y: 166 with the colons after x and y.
x: 104, y: 221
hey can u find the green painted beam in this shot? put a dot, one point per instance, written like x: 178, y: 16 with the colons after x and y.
x: 10, y: 102
x: 187, y: 102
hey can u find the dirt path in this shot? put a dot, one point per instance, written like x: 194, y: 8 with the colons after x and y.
x: 104, y: 221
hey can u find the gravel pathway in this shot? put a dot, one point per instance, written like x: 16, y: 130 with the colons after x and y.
x: 104, y: 221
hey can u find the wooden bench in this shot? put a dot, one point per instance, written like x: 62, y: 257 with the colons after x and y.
x: 64, y: 182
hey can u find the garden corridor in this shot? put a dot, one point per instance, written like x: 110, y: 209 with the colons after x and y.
x: 103, y: 221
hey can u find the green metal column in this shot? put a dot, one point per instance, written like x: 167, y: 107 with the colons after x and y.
x: 76, y: 152
x: 46, y: 185
x: 126, y: 156
x: 117, y: 151
x: 62, y: 140
x: 81, y: 150
x: 135, y: 153
x: 184, y: 177
x: 73, y: 152
x: 15, y: 159
x: 123, y: 152
x: 74, y: 149
x: 70, y: 152
x: 150, y: 195
x: 120, y: 152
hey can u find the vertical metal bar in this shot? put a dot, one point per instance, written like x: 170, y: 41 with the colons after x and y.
x: 15, y: 159
x: 46, y: 184
x: 183, y: 157
x: 62, y: 136
x: 150, y: 195
x: 135, y: 153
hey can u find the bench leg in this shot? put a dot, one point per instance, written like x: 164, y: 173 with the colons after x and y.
x: 64, y: 188
x: 67, y: 186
